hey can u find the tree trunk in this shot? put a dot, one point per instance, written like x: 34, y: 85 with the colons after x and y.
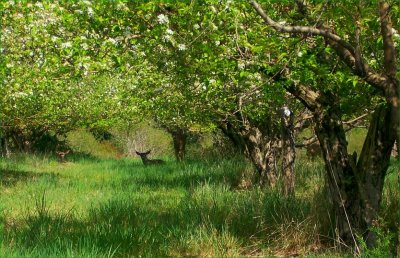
x: 259, y: 144
x: 179, y: 139
x: 263, y: 154
x: 372, y: 166
x: 5, y: 150
x: 18, y: 140
x: 288, y: 153
x: 341, y: 177
x: 356, y: 188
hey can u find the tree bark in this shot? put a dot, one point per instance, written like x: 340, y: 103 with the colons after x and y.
x: 5, y: 150
x: 179, y: 139
x: 372, y: 166
x: 341, y: 177
x: 356, y: 187
x: 288, y: 153
x: 259, y: 144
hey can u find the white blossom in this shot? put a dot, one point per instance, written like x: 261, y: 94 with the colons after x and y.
x: 212, y: 81
x: 181, y: 47
x: 121, y: 6
x: 167, y: 38
x: 85, y: 46
x: 66, y: 44
x: 228, y: 3
x: 112, y: 41
x: 162, y: 19
x: 39, y: 5
x: 299, y: 54
x: 169, y: 32
x: 396, y: 34
x: 241, y: 66
x: 217, y: 43
x: 90, y: 11
x: 196, y: 26
x: 20, y: 94
x: 286, y: 111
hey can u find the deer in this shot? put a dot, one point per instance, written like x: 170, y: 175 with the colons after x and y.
x: 147, y: 161
x: 61, y: 155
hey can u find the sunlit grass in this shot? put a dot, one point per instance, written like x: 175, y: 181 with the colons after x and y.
x: 103, y: 208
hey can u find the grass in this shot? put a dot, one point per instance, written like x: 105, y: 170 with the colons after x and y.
x: 109, y: 208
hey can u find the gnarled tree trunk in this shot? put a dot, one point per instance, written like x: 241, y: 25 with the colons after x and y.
x: 259, y: 143
x: 356, y: 187
x: 341, y: 174
x: 372, y: 166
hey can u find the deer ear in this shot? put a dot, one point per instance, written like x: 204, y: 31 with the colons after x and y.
x: 147, y: 152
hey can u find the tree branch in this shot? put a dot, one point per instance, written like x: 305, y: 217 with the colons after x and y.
x: 355, y: 120
x: 389, y: 50
x: 345, y: 51
x: 301, y: 29
x: 351, y: 125
x: 310, y: 98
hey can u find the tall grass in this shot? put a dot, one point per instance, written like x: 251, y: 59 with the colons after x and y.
x: 110, y: 208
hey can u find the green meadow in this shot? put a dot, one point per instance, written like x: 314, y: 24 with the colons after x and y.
x: 97, y: 207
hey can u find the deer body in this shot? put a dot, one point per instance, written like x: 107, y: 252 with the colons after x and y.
x: 147, y: 161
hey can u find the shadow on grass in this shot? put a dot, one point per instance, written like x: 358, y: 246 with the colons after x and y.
x: 125, y: 227
x: 183, y: 176
x: 116, y: 228
x: 10, y: 178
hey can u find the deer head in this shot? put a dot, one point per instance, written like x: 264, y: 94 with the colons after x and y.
x: 61, y: 155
